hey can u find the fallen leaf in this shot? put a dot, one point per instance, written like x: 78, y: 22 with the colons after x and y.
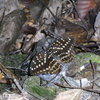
x: 73, y: 94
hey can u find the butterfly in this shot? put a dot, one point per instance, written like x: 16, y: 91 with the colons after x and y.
x: 49, y: 61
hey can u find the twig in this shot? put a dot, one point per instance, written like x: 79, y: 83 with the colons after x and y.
x: 11, y: 76
x: 92, y: 45
x: 14, y: 52
x: 76, y: 45
x: 94, y: 72
x: 80, y: 16
x: 52, y: 34
x: 89, y: 90
x: 14, y: 68
x: 71, y: 87
x: 48, y: 9
x: 7, y: 72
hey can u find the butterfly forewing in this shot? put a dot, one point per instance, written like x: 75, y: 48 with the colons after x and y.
x: 63, y: 48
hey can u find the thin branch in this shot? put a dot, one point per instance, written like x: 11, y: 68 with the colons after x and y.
x: 85, y: 26
x: 85, y: 48
x: 94, y: 72
x: 89, y: 90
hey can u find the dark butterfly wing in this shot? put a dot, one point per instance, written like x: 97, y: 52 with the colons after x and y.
x: 44, y: 63
x: 63, y: 48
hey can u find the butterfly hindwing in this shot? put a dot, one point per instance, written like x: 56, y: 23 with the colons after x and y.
x: 46, y: 65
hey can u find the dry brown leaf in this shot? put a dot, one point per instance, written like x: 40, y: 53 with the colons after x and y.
x: 33, y: 39
x: 10, y: 29
x: 1, y: 75
x: 96, y: 36
x: 73, y: 94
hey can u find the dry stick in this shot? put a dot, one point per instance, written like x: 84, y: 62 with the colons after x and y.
x: 7, y: 72
x: 11, y: 76
x: 81, y: 83
x: 91, y: 45
x: 14, y: 52
x: 93, y: 68
x: 94, y: 72
x: 89, y: 90
x: 48, y: 9
x: 76, y: 45
x: 83, y: 21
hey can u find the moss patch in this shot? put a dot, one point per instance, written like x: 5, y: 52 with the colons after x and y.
x: 32, y: 84
x: 41, y: 91
x: 85, y: 57
x: 12, y: 60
